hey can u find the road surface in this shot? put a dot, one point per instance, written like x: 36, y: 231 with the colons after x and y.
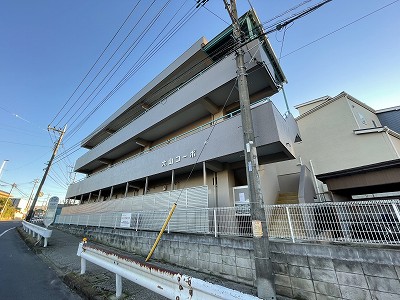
x: 22, y: 273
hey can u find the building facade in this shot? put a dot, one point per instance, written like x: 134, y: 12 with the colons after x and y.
x: 342, y: 136
x: 183, y: 129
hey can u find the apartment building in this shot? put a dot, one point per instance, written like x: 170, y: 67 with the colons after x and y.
x: 183, y: 129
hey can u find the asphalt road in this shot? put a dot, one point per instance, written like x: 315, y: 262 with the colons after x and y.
x: 22, y: 274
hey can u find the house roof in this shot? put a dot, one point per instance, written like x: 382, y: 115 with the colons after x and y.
x: 394, y: 108
x: 312, y: 101
x: 329, y: 101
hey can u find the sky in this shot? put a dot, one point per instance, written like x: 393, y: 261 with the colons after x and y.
x: 49, y: 75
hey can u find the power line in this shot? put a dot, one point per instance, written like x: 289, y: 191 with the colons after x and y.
x: 130, y: 73
x: 71, y: 150
x: 116, y: 66
x: 31, y: 145
x: 340, y: 28
x: 98, y: 59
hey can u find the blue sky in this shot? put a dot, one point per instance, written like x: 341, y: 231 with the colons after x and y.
x: 48, y: 46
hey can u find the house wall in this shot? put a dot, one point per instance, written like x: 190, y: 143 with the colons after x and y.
x: 364, y: 117
x: 395, y: 141
x: 333, y: 146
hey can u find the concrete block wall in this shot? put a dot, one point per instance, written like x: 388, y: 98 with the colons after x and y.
x: 317, y: 271
x: 302, y: 271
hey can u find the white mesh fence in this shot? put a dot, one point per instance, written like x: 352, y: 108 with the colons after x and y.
x: 358, y: 222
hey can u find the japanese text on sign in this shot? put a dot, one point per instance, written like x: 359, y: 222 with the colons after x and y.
x: 178, y: 159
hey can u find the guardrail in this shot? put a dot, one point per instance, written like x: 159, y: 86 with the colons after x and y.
x: 168, y: 284
x: 373, y: 222
x: 38, y: 231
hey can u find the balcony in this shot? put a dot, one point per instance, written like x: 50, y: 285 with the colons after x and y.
x: 274, y: 141
x: 188, y: 103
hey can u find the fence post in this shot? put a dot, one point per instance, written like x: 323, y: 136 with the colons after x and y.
x: 137, y: 221
x: 77, y: 222
x: 396, y: 211
x: 87, y: 221
x: 115, y: 222
x: 118, y: 286
x: 100, y: 220
x: 215, y: 223
x: 290, y: 224
x: 83, y: 266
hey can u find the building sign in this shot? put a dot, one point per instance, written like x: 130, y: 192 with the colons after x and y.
x: 177, y: 159
x: 51, y: 211
x: 125, y: 220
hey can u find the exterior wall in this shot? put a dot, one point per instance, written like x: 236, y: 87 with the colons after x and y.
x: 302, y: 271
x: 226, y: 139
x: 306, y: 186
x: 182, y: 130
x: 364, y: 117
x: 269, y: 183
x: 225, y: 183
x: 194, y: 90
x: 395, y: 141
x: 196, y: 47
x: 333, y: 146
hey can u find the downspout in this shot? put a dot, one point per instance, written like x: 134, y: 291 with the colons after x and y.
x: 315, y: 178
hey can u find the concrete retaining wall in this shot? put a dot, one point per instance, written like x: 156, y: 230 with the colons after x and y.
x: 302, y: 271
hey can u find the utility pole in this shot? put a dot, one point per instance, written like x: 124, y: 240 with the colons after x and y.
x: 30, y: 213
x: 8, y: 198
x: 263, y: 264
x: 35, y: 182
x: 2, y: 166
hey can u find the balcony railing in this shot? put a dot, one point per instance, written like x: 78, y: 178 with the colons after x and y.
x: 373, y: 222
x: 179, y: 137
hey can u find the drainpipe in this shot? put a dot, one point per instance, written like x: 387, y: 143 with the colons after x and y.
x: 126, y: 189
x: 204, y: 173
x: 315, y: 178
x: 146, y: 185
x: 172, y: 180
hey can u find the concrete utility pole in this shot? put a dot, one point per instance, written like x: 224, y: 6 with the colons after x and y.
x: 8, y: 198
x: 30, y: 213
x: 2, y: 166
x: 35, y: 182
x: 264, y: 274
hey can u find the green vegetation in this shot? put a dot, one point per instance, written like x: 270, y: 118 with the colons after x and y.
x: 7, y: 213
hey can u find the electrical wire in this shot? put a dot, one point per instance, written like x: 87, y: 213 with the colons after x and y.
x: 205, y: 143
x: 72, y: 150
x: 130, y: 49
x: 98, y: 59
x: 129, y: 74
x: 340, y: 28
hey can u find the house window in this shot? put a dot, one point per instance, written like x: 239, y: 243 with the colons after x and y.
x: 362, y: 118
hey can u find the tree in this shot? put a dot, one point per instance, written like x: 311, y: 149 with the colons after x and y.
x: 9, y: 210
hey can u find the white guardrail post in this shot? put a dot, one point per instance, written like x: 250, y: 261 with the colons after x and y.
x: 168, y: 284
x: 41, y: 232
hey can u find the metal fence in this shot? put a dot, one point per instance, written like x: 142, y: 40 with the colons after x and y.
x: 374, y: 222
